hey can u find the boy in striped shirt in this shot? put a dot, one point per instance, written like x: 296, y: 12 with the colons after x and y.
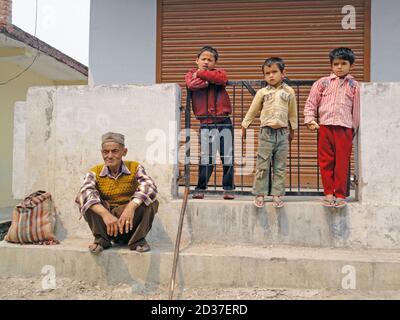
x: 336, y: 100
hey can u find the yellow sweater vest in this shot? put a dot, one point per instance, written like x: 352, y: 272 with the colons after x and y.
x: 117, y: 191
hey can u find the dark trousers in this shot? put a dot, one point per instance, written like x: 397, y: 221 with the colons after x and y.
x: 142, y: 222
x: 215, y: 137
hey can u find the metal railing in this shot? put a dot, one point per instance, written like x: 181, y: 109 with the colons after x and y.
x: 303, y: 177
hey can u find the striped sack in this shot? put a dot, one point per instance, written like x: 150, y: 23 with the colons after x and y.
x: 33, y: 220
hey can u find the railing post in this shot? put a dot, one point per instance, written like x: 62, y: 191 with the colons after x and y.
x: 187, y: 138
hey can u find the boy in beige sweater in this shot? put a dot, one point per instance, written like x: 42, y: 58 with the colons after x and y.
x: 278, y: 107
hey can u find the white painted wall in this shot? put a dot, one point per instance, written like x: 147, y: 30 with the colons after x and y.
x: 63, y: 129
x: 385, y: 40
x: 122, y: 42
x: 380, y: 144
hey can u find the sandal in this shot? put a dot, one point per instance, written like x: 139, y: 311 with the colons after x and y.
x: 198, y: 195
x: 140, y: 246
x: 328, y: 202
x: 96, y: 248
x: 277, y: 202
x: 259, y: 201
x: 228, y: 196
x: 340, y: 203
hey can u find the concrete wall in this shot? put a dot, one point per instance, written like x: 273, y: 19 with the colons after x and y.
x: 380, y: 144
x: 63, y: 139
x: 122, y: 42
x: 63, y: 130
x: 9, y: 94
x: 385, y: 46
x: 18, y: 178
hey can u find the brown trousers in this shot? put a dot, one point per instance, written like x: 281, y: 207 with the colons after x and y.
x: 142, y: 222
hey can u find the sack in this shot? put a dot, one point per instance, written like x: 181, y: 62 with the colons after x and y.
x: 33, y: 220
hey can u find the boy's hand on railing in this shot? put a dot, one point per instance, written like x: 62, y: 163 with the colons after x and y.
x: 243, y: 133
x: 312, y: 125
x: 291, y: 135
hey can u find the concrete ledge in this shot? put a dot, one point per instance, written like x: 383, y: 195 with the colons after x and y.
x: 299, y: 223
x: 208, y: 266
x: 60, y: 131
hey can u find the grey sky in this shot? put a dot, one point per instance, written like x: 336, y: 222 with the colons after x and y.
x: 63, y: 24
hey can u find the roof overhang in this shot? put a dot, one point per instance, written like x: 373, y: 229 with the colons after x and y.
x: 20, y: 48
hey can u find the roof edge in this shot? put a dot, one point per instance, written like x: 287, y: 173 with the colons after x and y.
x: 18, y: 34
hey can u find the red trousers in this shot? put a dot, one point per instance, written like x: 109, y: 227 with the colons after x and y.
x: 334, y: 152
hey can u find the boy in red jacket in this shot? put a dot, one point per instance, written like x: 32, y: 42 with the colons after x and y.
x: 212, y: 106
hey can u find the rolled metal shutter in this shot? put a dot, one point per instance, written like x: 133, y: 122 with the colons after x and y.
x: 245, y: 34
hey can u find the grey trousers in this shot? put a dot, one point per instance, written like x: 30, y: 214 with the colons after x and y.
x: 142, y: 222
x: 273, y: 144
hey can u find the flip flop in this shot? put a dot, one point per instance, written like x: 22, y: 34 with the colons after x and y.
x: 277, y: 202
x: 259, y: 201
x: 340, y: 203
x: 140, y: 246
x: 198, y: 195
x: 328, y: 202
x: 95, y: 248
x: 228, y: 196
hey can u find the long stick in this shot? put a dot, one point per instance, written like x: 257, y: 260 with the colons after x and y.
x: 177, y: 243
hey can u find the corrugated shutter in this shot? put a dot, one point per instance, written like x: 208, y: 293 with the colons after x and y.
x: 245, y: 34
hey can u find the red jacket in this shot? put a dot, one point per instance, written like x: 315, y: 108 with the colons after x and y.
x: 211, y: 83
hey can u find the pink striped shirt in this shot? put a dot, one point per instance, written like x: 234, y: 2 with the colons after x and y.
x: 337, y: 101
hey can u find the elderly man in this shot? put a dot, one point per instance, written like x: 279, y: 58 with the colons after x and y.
x: 118, y: 199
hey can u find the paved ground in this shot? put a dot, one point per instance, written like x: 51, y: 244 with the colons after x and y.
x: 31, y: 288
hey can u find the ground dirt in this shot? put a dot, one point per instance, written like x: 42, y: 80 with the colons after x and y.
x: 66, y: 289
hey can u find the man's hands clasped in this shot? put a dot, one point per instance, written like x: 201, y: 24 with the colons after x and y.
x: 123, y: 224
x: 125, y: 221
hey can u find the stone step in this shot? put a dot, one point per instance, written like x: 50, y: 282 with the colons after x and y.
x: 302, y: 222
x: 202, y: 266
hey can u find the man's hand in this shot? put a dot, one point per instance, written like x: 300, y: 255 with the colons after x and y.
x: 243, y: 133
x: 111, y: 223
x: 312, y: 125
x: 125, y: 221
x: 109, y: 220
x: 291, y: 135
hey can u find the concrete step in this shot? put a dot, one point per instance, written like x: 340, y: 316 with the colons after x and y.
x: 202, y: 266
x: 302, y: 222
